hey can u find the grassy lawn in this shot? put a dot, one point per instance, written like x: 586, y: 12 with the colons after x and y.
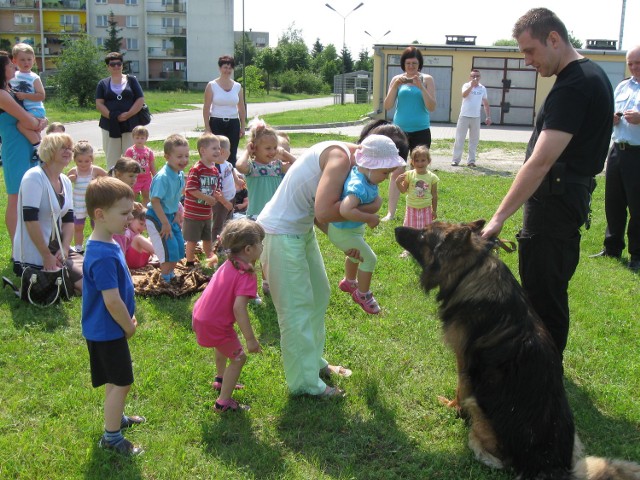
x: 159, y: 102
x: 390, y: 426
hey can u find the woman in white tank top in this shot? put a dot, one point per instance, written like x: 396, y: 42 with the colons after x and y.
x: 224, y: 111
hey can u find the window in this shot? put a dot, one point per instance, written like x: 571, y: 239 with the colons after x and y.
x: 103, y: 2
x: 169, y: 22
x: 131, y: 2
x: 23, y: 19
x: 69, y: 20
x: 132, y: 44
x: 100, y: 42
x: 131, y: 21
x: 166, y: 44
x: 102, y: 21
x: 134, y: 66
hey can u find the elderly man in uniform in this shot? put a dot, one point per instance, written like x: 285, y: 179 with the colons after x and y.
x: 567, y: 149
x: 622, y: 187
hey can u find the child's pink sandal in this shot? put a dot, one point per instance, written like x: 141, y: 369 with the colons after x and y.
x: 217, y: 384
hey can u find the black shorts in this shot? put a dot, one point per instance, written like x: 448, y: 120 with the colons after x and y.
x: 110, y: 362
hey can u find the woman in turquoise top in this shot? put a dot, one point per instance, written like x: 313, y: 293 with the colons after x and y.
x: 414, y: 95
x: 17, y: 152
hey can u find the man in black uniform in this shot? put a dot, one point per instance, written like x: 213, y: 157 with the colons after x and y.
x: 567, y: 149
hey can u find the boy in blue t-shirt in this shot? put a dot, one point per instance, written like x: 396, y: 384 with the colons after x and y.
x: 164, y: 211
x: 108, y: 307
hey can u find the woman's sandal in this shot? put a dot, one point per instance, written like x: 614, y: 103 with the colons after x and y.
x: 332, y: 392
x: 336, y: 370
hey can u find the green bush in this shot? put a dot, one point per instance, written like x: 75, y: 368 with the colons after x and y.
x: 291, y: 81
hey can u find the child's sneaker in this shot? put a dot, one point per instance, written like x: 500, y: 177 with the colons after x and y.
x: 348, y: 286
x: 366, y: 301
x: 217, y: 384
x: 229, y: 405
x: 125, y: 447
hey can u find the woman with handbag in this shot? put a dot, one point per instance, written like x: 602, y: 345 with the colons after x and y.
x: 224, y: 111
x: 119, y: 99
x: 17, y: 152
x: 45, y: 213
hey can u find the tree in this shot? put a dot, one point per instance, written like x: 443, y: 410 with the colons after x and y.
x: 80, y: 68
x: 365, y: 62
x: 250, y: 51
x: 253, y: 82
x: 345, y: 57
x: 317, y: 48
x: 270, y: 60
x: 113, y: 43
x: 574, y: 41
x: 505, y: 42
x: 294, y: 51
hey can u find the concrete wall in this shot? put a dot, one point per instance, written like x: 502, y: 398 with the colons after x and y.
x: 209, y: 36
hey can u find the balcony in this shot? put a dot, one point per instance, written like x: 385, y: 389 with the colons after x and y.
x: 14, y: 4
x: 159, y: 52
x: 64, y: 4
x: 167, y: 31
x: 178, y: 7
x: 69, y: 28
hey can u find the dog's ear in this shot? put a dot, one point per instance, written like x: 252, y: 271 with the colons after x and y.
x: 476, y: 227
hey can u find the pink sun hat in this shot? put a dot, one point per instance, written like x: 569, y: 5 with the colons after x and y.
x: 378, y: 152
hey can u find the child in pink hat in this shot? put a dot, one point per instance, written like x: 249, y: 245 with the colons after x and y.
x: 376, y: 158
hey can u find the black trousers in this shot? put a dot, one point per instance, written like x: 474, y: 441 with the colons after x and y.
x: 230, y: 128
x: 549, y: 251
x: 622, y: 194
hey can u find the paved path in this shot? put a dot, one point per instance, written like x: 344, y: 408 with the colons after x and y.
x: 190, y: 123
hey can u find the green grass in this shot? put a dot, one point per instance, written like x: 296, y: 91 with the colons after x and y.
x: 390, y: 426
x: 349, y: 112
x: 159, y: 102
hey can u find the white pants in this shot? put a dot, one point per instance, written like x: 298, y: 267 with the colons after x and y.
x: 472, y: 124
x: 114, y: 148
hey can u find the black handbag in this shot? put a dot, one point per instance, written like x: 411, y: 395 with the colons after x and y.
x: 144, y: 115
x: 43, y: 288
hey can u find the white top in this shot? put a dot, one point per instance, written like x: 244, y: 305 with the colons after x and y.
x: 291, y: 210
x: 228, y: 185
x: 33, y: 193
x: 224, y: 104
x: 23, y: 82
x: 472, y: 103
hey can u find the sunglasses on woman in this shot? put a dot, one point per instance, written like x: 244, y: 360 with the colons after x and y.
x: 115, y: 64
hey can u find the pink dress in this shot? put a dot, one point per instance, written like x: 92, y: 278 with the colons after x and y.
x: 213, y: 316
x: 144, y: 156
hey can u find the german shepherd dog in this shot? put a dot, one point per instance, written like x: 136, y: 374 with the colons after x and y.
x: 510, y: 385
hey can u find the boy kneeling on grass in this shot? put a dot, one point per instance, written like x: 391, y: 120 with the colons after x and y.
x: 108, y: 307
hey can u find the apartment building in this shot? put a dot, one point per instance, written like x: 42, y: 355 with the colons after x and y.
x: 158, y: 35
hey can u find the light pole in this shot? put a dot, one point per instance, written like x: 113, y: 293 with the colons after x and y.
x: 375, y: 40
x: 344, y: 43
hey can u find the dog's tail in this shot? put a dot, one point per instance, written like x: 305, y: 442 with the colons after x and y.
x: 597, y: 468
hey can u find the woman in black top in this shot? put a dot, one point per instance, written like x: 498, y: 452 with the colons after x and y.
x: 119, y: 98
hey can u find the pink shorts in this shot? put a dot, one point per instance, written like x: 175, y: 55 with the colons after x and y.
x: 143, y: 182
x: 232, y: 349
x: 136, y: 259
x: 418, y: 217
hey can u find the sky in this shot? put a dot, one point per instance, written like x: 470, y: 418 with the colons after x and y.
x: 428, y: 22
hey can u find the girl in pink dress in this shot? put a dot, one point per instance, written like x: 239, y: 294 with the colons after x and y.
x: 224, y: 302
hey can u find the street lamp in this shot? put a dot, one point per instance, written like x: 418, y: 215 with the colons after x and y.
x: 344, y: 43
x: 375, y: 40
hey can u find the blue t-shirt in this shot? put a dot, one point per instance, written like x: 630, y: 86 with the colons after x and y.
x: 411, y: 113
x: 167, y: 185
x: 358, y: 185
x: 104, y: 268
